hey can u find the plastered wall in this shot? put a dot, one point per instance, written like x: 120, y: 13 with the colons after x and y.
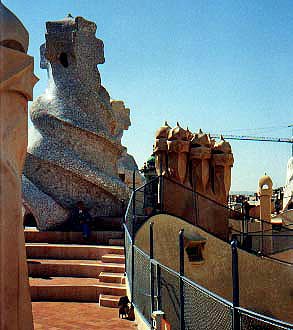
x: 266, y: 286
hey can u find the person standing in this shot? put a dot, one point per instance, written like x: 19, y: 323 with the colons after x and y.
x: 83, y: 218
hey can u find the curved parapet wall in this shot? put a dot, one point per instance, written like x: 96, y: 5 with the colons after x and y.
x: 266, y: 285
x: 75, y: 156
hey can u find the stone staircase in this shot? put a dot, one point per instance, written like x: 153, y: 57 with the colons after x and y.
x: 64, y: 267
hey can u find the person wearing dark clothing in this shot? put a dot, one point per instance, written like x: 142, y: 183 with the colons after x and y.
x: 82, y: 217
x: 247, y: 243
x: 277, y: 206
x: 246, y: 208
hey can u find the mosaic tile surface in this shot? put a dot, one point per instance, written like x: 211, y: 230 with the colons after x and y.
x: 75, y: 157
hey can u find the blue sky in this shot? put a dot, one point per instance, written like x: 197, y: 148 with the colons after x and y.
x: 224, y: 66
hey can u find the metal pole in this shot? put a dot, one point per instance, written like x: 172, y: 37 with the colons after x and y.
x: 159, y: 295
x: 181, y: 283
x: 243, y: 225
x: 132, y: 235
x: 235, y: 279
x: 152, y: 287
x: 133, y: 205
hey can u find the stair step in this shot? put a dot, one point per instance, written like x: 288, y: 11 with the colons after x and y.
x: 64, y: 267
x: 113, y: 258
x: 108, y: 277
x: 72, y: 289
x: 116, y: 241
x: 96, y: 237
x: 70, y: 251
x: 108, y: 301
x: 74, y: 268
x: 110, y: 223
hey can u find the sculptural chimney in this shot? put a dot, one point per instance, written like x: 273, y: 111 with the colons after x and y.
x: 79, y: 129
x: 16, y: 85
x: 194, y: 163
x: 265, y: 185
x: 265, y: 193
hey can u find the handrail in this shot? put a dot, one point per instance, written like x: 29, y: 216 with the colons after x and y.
x: 128, y: 206
x: 241, y: 310
x: 263, y: 231
x: 164, y: 177
x: 147, y: 183
x: 265, y: 318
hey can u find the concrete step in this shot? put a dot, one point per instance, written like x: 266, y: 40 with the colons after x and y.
x: 116, y: 241
x: 108, y: 277
x: 96, y: 237
x: 74, y: 268
x: 108, y: 223
x: 72, y: 289
x: 70, y: 251
x: 108, y: 301
x: 113, y: 258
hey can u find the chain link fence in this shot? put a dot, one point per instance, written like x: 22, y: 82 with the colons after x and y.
x: 185, y: 304
x: 170, y: 296
x: 252, y: 321
x: 141, y: 287
x: 128, y: 256
x: 203, y: 311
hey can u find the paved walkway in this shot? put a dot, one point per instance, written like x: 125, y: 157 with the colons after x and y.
x: 74, y: 316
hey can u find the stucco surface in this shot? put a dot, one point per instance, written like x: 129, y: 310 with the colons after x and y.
x: 266, y: 286
x: 16, y: 84
x: 198, y: 163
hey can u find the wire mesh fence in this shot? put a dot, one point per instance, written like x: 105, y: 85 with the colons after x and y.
x: 253, y: 322
x: 128, y: 217
x: 141, y: 287
x: 128, y: 256
x: 170, y: 297
x: 155, y: 286
x: 203, y: 311
x: 254, y: 235
x: 202, y: 308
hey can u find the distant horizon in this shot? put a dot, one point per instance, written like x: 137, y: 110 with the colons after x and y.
x: 242, y: 192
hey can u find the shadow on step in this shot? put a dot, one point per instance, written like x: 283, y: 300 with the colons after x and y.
x: 43, y: 277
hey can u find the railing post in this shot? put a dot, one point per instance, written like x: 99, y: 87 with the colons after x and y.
x: 159, y: 295
x: 181, y: 283
x: 132, y: 234
x: 152, y: 267
x: 235, y: 279
x: 243, y: 228
x: 133, y: 205
x: 262, y: 241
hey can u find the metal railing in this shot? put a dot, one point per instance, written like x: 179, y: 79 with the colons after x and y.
x: 253, y: 234
x: 186, y: 304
